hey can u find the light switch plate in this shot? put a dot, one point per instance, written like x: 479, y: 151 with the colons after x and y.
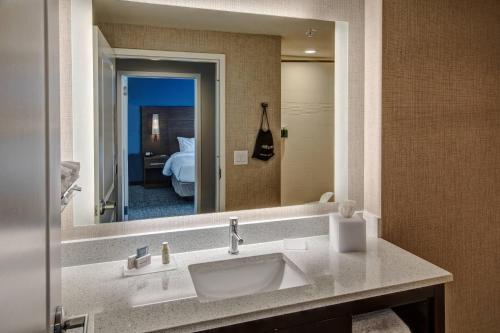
x: 240, y: 157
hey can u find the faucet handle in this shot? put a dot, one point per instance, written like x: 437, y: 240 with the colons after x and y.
x: 233, y: 220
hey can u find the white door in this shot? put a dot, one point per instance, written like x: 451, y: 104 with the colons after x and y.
x: 105, y: 140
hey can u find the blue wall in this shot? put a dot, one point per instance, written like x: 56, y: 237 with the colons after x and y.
x: 151, y: 92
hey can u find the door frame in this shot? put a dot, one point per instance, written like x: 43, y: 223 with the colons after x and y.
x: 122, y: 126
x: 220, y: 103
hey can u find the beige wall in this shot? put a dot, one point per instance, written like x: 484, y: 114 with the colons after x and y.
x: 441, y: 147
x: 307, y: 111
x: 252, y: 77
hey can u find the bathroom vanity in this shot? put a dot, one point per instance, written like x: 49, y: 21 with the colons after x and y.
x: 422, y: 310
x: 318, y: 290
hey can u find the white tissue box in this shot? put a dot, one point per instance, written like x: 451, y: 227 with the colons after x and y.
x: 347, y: 234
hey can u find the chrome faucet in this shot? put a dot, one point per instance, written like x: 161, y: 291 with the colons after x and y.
x: 234, y: 238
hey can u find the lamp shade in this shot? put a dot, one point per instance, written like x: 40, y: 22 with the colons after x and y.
x: 155, y: 128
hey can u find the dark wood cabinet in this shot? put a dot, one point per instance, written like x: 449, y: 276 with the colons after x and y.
x: 421, y: 309
x: 153, y: 168
x: 316, y: 320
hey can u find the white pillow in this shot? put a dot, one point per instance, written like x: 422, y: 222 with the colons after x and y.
x: 186, y: 145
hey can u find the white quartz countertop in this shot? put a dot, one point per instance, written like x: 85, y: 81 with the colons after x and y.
x: 167, y: 301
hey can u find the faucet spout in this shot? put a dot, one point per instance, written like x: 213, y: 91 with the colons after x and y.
x: 234, y: 237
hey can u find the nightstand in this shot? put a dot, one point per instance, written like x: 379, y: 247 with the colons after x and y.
x: 153, y: 167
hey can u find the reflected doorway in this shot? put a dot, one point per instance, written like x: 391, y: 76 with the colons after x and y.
x: 158, y: 117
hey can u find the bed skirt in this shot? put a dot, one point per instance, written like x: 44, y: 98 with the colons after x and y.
x: 181, y: 188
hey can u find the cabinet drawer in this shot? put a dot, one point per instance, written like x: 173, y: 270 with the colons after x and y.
x: 154, y: 163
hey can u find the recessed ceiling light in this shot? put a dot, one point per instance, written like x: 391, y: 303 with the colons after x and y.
x: 310, y: 51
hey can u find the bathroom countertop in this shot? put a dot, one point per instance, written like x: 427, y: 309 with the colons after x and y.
x: 167, y: 301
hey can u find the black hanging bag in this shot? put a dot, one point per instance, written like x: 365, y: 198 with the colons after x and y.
x: 264, y: 147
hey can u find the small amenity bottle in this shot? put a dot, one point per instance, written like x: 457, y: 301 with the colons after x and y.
x: 165, y: 253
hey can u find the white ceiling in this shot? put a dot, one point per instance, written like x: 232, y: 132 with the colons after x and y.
x: 292, y: 30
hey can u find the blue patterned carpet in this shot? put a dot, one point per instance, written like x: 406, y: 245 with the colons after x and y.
x: 156, y: 202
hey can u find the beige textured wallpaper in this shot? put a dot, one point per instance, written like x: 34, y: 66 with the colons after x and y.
x: 441, y: 147
x: 253, y: 70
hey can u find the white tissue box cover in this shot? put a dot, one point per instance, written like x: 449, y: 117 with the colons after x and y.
x: 347, y: 234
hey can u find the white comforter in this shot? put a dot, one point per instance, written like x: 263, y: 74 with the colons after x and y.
x: 181, y: 165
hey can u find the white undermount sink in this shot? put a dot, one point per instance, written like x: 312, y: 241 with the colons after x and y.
x: 245, y: 276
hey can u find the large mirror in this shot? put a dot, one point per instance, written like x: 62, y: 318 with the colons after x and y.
x: 199, y: 111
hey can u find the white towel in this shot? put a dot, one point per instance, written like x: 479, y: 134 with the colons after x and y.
x: 384, y: 321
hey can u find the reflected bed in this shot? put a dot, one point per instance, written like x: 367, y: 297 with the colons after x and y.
x: 181, y: 168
